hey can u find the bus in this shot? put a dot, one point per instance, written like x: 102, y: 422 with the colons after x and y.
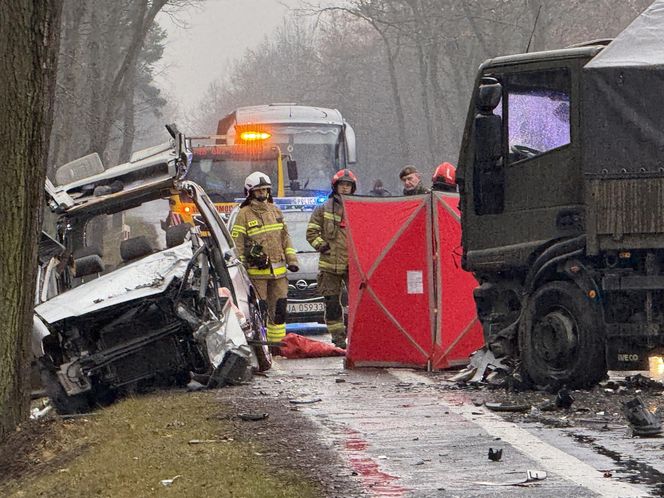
x: 318, y: 141
x: 311, y: 142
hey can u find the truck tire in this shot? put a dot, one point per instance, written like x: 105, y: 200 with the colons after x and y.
x: 64, y: 404
x: 561, y: 337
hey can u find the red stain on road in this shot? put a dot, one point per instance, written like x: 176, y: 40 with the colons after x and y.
x: 375, y: 481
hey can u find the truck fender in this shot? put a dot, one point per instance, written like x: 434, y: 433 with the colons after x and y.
x: 579, y: 274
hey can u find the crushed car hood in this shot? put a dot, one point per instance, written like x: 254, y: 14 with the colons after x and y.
x: 146, y: 277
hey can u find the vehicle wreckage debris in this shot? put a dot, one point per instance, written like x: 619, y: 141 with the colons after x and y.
x: 495, y: 455
x: 642, y: 421
x: 168, y: 482
x: 507, y: 407
x: 251, y: 417
x: 564, y: 399
x: 531, y: 476
x: 304, y: 401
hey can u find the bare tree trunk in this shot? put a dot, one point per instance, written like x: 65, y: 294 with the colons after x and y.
x: 28, y: 53
x: 129, y: 128
x: 396, y: 97
x: 142, y: 27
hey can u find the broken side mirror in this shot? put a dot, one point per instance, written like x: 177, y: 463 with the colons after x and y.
x: 488, y: 170
x: 291, y: 165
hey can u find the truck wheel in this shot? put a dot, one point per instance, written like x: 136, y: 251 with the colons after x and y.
x: 561, y: 338
x: 64, y: 404
x: 262, y: 351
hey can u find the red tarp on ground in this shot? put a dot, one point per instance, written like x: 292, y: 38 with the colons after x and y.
x: 394, y: 283
x: 296, y: 346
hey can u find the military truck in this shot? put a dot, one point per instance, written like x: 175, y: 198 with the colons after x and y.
x: 561, y: 176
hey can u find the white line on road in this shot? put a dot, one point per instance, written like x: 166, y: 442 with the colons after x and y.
x: 550, y: 457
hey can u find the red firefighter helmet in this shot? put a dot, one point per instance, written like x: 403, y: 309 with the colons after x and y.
x: 344, y: 175
x: 445, y: 173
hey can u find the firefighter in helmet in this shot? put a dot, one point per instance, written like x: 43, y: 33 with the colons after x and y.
x: 444, y: 178
x: 326, y: 233
x: 266, y: 251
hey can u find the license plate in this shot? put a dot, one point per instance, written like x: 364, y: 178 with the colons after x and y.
x: 306, y: 307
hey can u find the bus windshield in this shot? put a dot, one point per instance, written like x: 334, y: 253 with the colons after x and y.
x: 223, y: 180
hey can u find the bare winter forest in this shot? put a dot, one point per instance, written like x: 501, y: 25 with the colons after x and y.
x: 400, y: 71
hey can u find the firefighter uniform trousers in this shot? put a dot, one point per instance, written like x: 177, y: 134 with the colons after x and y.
x: 262, y: 223
x: 326, y: 232
x: 274, y: 292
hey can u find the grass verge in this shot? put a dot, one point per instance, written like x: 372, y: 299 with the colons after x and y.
x: 130, y: 447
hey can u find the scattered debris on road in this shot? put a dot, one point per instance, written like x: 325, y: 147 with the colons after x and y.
x: 304, y: 401
x: 253, y: 416
x: 642, y: 421
x: 531, y: 476
x: 495, y: 455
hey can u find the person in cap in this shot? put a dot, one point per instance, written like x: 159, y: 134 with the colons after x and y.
x: 444, y: 178
x: 412, y: 181
x: 266, y: 251
x: 326, y: 233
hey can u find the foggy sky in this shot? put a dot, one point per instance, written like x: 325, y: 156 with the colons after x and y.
x: 217, y: 32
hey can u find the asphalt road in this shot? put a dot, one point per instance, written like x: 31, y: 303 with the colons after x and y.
x: 406, y: 433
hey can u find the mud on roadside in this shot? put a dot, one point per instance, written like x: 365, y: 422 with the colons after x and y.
x: 288, y: 438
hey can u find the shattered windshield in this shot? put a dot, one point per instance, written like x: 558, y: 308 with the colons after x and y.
x: 538, y: 109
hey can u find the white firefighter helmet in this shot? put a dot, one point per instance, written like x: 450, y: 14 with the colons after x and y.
x: 256, y: 180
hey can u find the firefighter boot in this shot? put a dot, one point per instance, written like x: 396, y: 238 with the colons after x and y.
x: 337, y: 330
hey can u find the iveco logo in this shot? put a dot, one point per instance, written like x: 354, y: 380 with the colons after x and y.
x: 301, y: 284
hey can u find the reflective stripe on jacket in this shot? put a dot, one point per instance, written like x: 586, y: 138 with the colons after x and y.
x: 327, y: 225
x: 263, y: 223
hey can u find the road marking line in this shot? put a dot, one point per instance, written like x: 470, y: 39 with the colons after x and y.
x: 548, y: 456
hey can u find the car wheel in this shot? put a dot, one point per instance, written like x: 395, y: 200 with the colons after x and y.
x: 63, y: 403
x: 560, y: 337
x: 261, y: 349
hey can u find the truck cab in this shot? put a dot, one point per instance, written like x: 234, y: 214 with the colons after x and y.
x: 561, y: 183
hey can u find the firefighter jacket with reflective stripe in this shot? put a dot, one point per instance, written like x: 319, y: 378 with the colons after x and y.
x: 327, y: 226
x: 263, y: 223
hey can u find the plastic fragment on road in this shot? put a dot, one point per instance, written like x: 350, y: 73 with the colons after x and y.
x: 564, y: 398
x: 295, y: 346
x: 507, y: 407
x: 642, y: 421
x: 304, y: 401
x: 253, y: 416
x: 531, y: 476
x: 495, y: 455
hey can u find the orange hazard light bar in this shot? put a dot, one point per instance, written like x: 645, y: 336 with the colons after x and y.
x: 252, y: 136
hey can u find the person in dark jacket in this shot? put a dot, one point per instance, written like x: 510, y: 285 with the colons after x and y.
x: 379, y: 190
